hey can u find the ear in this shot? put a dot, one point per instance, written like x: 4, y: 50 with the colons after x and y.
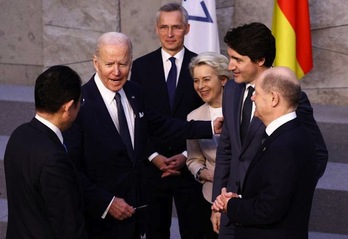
x: 95, y: 62
x: 275, y: 98
x: 187, y: 30
x: 261, y: 62
x: 68, y: 106
x: 224, y: 80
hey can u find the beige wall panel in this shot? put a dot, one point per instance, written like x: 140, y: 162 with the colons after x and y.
x: 332, y: 39
x: 21, y: 32
x: 329, y: 71
x: 139, y: 24
x: 247, y: 11
x: 68, y: 45
x: 101, y: 15
x: 328, y: 13
x: 225, y: 21
x: 19, y: 74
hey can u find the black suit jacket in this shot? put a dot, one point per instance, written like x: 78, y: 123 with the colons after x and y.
x: 94, y: 142
x: 44, y: 196
x: 278, y: 187
x: 148, y: 72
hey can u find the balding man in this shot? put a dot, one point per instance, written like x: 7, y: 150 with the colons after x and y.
x: 278, y: 189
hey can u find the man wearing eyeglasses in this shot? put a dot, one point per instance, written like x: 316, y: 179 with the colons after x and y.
x: 167, y: 84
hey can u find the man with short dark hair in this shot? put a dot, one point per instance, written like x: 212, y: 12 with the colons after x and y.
x: 43, y: 190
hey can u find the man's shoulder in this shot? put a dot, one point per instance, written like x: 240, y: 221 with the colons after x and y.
x: 145, y: 58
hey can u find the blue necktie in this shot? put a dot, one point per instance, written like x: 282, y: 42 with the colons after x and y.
x: 171, y: 82
x: 246, y: 114
x: 123, y: 126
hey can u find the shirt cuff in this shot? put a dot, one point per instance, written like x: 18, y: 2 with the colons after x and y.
x: 152, y: 156
x: 107, y: 209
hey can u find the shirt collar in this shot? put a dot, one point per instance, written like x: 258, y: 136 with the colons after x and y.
x: 108, y: 95
x: 51, y: 126
x: 275, y: 124
x: 179, y: 56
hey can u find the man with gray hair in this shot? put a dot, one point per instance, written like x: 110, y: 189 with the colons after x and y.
x: 108, y: 141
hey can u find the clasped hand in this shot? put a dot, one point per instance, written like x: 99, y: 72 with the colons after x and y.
x: 170, y: 166
x: 221, y: 201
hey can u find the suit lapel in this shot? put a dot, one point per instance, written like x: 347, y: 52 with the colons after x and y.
x: 264, y: 147
x: 184, y: 80
x: 133, y: 101
x: 99, y: 107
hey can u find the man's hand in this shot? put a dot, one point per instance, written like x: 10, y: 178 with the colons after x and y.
x: 215, y: 220
x: 218, y: 122
x: 221, y: 201
x: 159, y: 161
x: 174, y: 164
x: 166, y: 166
x: 120, y: 210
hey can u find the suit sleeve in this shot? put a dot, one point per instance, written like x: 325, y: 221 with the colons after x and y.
x: 223, y: 154
x: 60, y: 190
x: 96, y: 199
x: 176, y: 129
x: 305, y: 114
x: 277, y: 187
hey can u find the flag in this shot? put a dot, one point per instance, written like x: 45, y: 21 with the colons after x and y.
x: 291, y: 28
x: 203, y: 35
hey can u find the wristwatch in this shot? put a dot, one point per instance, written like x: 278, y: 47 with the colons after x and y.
x: 198, y: 174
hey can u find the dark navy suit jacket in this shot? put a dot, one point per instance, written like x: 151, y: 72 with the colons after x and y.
x: 43, y: 190
x: 278, y: 188
x: 95, y: 144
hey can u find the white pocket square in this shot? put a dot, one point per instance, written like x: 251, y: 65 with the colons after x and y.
x: 141, y: 114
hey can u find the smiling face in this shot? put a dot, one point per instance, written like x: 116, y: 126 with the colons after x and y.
x: 208, y: 85
x: 244, y: 70
x: 171, y: 31
x: 113, y: 65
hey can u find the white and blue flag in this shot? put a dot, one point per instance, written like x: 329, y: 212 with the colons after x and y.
x: 203, y: 35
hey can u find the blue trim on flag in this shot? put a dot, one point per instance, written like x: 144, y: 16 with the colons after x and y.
x: 207, y: 17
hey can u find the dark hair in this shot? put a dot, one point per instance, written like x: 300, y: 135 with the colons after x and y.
x: 55, y: 87
x: 254, y: 40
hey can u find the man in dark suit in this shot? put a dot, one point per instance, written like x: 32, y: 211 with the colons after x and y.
x: 251, y: 49
x: 43, y: 190
x: 153, y: 72
x: 278, y: 188
x: 113, y: 166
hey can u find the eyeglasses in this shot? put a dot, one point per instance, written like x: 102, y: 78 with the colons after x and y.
x: 175, y: 28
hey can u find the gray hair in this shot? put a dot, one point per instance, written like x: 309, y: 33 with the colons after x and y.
x: 114, y: 38
x: 216, y: 61
x: 172, y: 7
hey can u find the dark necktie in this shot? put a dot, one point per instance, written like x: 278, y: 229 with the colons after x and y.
x: 246, y: 114
x: 123, y: 126
x: 171, y: 82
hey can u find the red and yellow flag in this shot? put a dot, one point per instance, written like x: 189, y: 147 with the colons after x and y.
x: 291, y: 28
